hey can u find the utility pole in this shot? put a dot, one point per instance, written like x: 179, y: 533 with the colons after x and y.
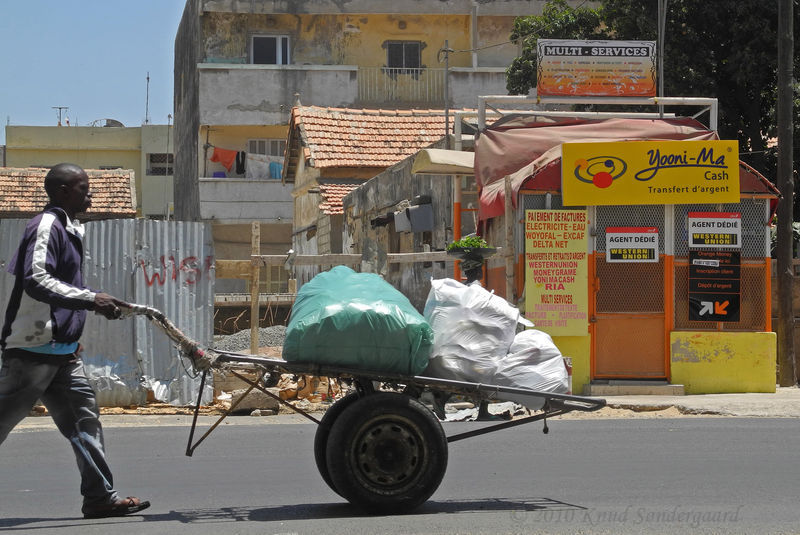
x: 662, y: 24
x: 147, y: 101
x: 787, y: 372
x: 446, y: 50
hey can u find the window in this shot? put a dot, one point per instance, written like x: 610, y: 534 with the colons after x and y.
x: 270, y: 49
x: 110, y: 167
x: 403, y: 56
x: 159, y: 164
x: 267, y: 147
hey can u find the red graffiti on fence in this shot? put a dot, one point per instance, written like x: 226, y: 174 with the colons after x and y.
x: 170, y: 269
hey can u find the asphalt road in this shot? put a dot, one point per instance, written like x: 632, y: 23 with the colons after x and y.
x: 698, y: 475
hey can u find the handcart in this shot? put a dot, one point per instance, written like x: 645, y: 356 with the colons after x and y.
x: 378, y: 447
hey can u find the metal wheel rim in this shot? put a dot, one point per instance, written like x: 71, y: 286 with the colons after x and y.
x: 389, y: 454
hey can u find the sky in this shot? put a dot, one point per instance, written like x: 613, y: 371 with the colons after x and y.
x: 92, y: 56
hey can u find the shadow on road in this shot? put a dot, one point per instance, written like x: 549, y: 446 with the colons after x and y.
x: 318, y: 511
x: 312, y: 511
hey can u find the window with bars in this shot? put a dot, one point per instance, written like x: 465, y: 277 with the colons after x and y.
x: 403, y: 57
x: 269, y: 49
x: 160, y: 164
x: 267, y: 147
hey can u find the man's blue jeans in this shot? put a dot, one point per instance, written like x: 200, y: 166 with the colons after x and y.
x: 62, y: 386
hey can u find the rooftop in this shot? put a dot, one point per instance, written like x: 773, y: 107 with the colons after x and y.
x: 22, y: 193
x: 332, y: 195
x: 340, y: 137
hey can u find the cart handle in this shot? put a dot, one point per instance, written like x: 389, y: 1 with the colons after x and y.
x: 201, y: 359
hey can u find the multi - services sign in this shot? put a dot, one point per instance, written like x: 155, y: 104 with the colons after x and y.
x: 575, y: 68
x: 650, y: 172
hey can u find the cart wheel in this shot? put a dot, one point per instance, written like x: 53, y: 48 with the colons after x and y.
x: 387, y: 453
x: 323, y: 430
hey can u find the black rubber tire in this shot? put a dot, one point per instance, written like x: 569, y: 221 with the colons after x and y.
x: 387, y: 453
x: 324, y: 430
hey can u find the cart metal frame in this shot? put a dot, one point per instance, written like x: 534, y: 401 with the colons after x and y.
x: 553, y: 404
x: 383, y: 451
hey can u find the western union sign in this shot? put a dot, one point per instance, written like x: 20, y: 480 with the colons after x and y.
x: 650, y: 172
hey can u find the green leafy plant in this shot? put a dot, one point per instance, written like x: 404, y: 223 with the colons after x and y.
x: 773, y: 235
x: 468, y: 242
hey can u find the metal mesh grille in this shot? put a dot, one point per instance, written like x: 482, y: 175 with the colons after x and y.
x: 630, y: 287
x: 754, y: 226
x: 628, y: 216
x: 539, y: 202
x: 752, y: 314
x: 752, y: 301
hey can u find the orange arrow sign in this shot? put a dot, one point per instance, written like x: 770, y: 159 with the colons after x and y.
x: 719, y: 308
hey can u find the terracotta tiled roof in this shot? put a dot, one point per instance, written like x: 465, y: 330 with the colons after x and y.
x: 22, y: 193
x: 332, y: 195
x: 340, y: 137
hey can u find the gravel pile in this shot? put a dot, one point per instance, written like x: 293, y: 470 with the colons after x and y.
x: 240, y: 341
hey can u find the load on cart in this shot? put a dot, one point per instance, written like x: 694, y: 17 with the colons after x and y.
x: 380, y: 447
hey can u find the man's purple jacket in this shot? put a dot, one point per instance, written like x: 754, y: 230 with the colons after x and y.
x: 49, y: 301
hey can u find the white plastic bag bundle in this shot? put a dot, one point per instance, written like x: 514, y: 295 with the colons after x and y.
x: 472, y: 327
x: 475, y: 340
x: 533, y: 362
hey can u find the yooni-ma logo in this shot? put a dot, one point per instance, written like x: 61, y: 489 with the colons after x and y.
x: 601, y: 171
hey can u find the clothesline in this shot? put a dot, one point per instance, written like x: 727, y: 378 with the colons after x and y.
x: 251, y: 165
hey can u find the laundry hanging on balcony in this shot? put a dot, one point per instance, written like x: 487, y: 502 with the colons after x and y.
x: 261, y: 166
x: 224, y: 156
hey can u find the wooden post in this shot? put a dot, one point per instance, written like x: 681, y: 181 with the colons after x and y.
x: 509, y: 256
x: 255, y: 282
x: 457, y: 221
x: 787, y: 375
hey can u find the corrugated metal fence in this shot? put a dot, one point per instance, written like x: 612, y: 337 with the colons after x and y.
x: 168, y: 265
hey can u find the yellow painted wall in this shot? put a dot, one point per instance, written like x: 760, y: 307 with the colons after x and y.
x: 88, y: 146
x: 233, y: 138
x: 578, y: 348
x: 720, y: 362
x: 358, y: 39
x: 156, y: 191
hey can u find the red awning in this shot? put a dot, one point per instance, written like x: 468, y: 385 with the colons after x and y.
x: 526, y: 147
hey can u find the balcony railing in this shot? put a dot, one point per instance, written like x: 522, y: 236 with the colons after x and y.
x: 381, y: 85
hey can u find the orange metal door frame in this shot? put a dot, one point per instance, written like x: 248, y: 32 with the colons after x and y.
x: 668, y: 288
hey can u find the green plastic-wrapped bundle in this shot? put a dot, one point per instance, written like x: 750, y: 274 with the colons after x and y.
x: 357, y: 320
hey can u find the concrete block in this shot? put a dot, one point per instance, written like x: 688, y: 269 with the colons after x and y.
x: 256, y: 399
x: 633, y: 390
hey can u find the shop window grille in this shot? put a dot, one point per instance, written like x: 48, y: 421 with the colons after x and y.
x: 754, y: 225
x: 538, y: 201
x: 752, y: 300
x: 754, y: 250
x: 645, y: 215
x: 629, y: 287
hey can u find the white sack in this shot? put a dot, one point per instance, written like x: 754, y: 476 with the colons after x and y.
x: 533, y: 362
x: 472, y: 327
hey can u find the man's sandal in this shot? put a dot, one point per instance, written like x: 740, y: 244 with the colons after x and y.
x: 121, y: 507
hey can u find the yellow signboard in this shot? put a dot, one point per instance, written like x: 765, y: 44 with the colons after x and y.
x: 650, y: 172
x: 556, y: 271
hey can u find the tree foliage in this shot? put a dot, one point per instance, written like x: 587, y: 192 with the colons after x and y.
x: 726, y: 50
